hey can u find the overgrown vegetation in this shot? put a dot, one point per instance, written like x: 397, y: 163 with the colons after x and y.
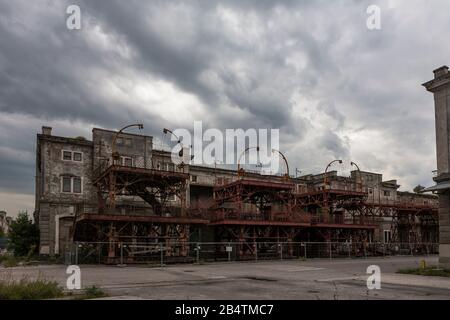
x: 94, y: 292
x: 26, y: 289
x: 91, y: 293
x: 8, y: 261
x: 23, y: 236
x: 428, y: 271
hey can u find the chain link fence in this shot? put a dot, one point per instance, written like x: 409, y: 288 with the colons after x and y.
x: 160, y: 254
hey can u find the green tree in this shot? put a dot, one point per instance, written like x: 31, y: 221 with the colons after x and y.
x: 2, y: 234
x: 23, y: 235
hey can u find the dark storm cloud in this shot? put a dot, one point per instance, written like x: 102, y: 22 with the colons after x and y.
x: 309, y: 68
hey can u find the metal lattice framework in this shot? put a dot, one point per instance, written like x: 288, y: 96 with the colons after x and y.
x: 154, y: 222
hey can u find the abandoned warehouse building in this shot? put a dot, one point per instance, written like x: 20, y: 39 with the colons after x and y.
x: 116, y: 189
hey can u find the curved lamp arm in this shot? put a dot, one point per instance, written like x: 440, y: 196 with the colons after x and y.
x: 326, y: 170
x: 285, y: 160
x: 243, y: 152
x: 113, y: 147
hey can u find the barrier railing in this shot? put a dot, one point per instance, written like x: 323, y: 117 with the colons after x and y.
x: 177, y: 251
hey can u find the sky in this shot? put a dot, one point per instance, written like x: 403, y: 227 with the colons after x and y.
x: 311, y: 69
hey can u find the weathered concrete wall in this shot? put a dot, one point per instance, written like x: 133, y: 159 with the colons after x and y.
x: 440, y: 87
x: 54, y: 205
x: 137, y: 147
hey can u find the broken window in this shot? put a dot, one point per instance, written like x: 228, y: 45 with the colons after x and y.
x: 387, y: 236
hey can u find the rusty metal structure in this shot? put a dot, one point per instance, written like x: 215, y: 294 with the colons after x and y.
x: 151, y: 225
x: 138, y: 197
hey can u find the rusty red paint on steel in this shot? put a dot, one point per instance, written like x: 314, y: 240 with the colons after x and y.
x: 258, y: 183
x: 104, y: 217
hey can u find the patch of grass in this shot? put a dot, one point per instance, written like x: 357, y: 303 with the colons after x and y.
x: 9, y: 261
x: 26, y: 289
x: 92, y: 293
x: 428, y: 271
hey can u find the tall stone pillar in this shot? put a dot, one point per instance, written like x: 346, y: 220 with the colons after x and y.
x: 440, y: 87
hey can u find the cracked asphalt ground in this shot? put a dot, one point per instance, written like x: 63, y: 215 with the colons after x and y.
x: 291, y: 279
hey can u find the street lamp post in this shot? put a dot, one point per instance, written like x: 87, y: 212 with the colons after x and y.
x: 181, y: 152
x: 114, y: 154
x: 325, y: 195
x: 239, y: 169
x: 285, y: 161
x: 114, y: 157
x: 326, y: 171
x: 358, y: 177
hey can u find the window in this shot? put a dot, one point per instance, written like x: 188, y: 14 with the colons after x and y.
x: 67, y: 155
x: 72, y: 156
x: 193, y: 178
x: 77, y: 156
x: 170, y: 167
x: 67, y: 184
x: 370, y: 191
x: 127, y: 161
x: 119, y: 140
x: 386, y: 193
x: 387, y: 236
x: 71, y: 184
x: 171, y: 197
x: 128, y: 142
x: 76, y: 185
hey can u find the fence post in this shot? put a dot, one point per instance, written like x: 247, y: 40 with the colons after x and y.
x: 281, y: 250
x: 121, y: 253
x: 198, y: 252
x: 256, y: 252
x: 330, y: 250
x: 76, y: 253
x: 229, y: 252
x: 349, y: 249
x: 306, y: 246
x: 162, y: 254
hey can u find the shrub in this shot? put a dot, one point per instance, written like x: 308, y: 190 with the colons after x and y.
x: 9, y: 261
x: 93, y: 292
x: 428, y: 271
x: 23, y: 235
x: 26, y: 289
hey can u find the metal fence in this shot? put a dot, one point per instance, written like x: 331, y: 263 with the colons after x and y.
x: 160, y: 254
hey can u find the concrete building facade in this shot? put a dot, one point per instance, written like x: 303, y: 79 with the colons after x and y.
x: 440, y: 87
x: 67, y: 171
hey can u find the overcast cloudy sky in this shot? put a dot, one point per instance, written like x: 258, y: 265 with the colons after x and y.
x: 309, y: 68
